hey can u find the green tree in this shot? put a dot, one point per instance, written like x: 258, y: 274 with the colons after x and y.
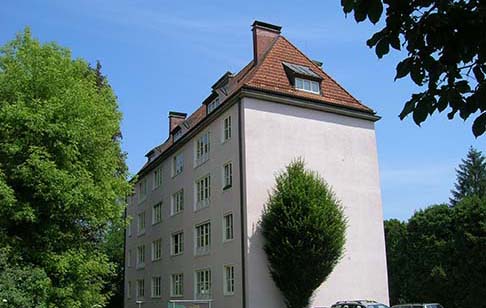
x: 396, y: 243
x: 445, y: 42
x: 62, y: 171
x: 471, y: 177
x: 303, y: 226
x: 439, y: 257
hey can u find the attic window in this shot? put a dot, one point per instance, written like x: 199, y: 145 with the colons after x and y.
x: 177, y: 134
x: 212, y: 105
x: 307, y: 85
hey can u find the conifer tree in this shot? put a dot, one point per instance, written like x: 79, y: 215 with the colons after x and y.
x: 471, y: 177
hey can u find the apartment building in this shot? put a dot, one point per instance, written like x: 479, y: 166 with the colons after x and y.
x: 194, y: 232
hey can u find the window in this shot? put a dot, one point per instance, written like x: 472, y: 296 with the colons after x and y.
x: 202, y: 149
x: 156, y: 286
x: 141, y: 223
x: 227, y: 175
x: 178, y: 134
x: 307, y: 85
x: 140, y: 288
x: 129, y: 258
x: 158, y: 177
x: 177, y: 285
x: 157, y: 213
x: 177, y: 243
x: 227, y: 128
x: 142, y: 188
x: 229, y: 280
x: 141, y: 256
x: 129, y: 227
x: 203, y: 284
x: 156, y: 249
x: 177, y: 204
x: 203, y: 238
x: 212, y: 105
x: 177, y: 164
x: 203, y: 192
x: 129, y: 289
x: 228, y: 227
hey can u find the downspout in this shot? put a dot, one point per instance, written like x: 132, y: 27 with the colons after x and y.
x: 242, y: 211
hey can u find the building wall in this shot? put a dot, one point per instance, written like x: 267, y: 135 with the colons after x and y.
x: 222, y: 202
x: 342, y: 150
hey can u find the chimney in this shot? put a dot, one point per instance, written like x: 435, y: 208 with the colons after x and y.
x: 264, y: 35
x: 176, y: 118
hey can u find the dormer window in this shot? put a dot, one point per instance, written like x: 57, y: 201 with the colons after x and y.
x: 303, y: 78
x: 177, y: 134
x: 212, y: 105
x: 307, y: 85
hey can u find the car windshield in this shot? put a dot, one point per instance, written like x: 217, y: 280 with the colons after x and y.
x: 378, y: 306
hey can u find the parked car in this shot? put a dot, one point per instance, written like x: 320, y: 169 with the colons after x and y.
x: 359, y: 304
x: 432, y: 305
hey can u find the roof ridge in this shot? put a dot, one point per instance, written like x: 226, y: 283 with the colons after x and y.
x: 260, y: 62
x: 327, y: 75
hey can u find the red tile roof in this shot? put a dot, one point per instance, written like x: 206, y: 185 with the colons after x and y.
x: 269, y: 75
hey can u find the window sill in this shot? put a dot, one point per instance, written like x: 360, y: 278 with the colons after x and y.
x: 177, y: 254
x: 227, y: 187
x: 156, y: 223
x: 201, y: 161
x: 228, y: 240
x: 177, y: 213
x: 202, y: 205
x: 141, y: 266
x: 176, y: 174
x: 157, y: 260
x: 229, y: 294
x: 142, y: 233
x: 176, y: 296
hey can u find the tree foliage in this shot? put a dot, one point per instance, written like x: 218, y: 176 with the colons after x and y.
x: 471, y: 177
x: 445, y: 41
x: 62, y: 171
x: 304, y: 230
x: 438, y: 255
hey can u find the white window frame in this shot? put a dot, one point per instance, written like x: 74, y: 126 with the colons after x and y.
x: 213, y: 104
x: 177, y: 164
x: 227, y: 175
x: 141, y: 223
x: 140, y: 287
x: 228, y: 227
x: 177, y: 236
x: 156, y: 213
x: 202, y: 238
x: 140, y: 256
x: 229, y: 279
x: 142, y: 190
x: 313, y: 86
x: 202, y: 284
x: 227, y: 129
x: 177, y: 202
x: 130, y: 227
x: 157, y: 249
x: 202, y: 192
x: 157, y: 177
x: 129, y: 258
x: 202, y: 147
x: 177, y: 285
x: 156, y: 287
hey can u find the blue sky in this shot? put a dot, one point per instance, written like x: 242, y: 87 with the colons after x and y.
x: 165, y: 55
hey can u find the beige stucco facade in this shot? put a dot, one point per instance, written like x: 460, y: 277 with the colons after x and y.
x: 341, y: 147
